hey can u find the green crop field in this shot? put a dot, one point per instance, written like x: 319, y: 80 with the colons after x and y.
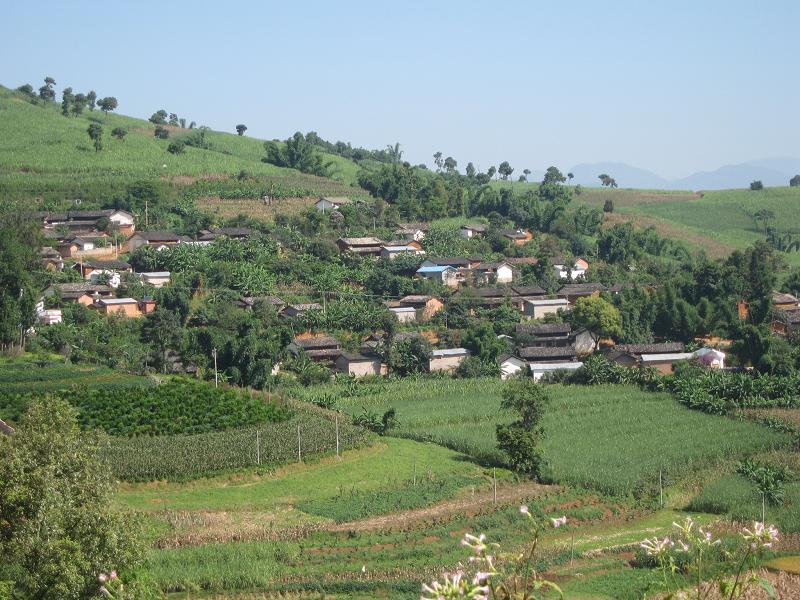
x: 46, y: 155
x: 615, y: 439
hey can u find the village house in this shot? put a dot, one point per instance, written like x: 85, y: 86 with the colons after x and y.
x: 319, y: 349
x: 661, y: 356
x: 496, y: 272
x: 447, y: 359
x: 50, y: 316
x: 545, y: 360
x: 248, y: 302
x: 51, y: 259
x: 556, y: 334
x: 473, y: 231
x: 783, y: 301
x: 391, y: 251
x: 426, y: 306
x: 572, y: 291
x: 444, y: 274
x: 157, y: 279
x: 412, y: 231
x: 83, y: 293
x: 360, y: 365
x: 364, y: 246
x: 125, y: 307
x: 538, y: 308
x: 565, y: 270
x: 294, y: 310
x: 331, y: 203
x: 88, y: 220
x: 711, y: 358
x: 404, y: 314
x: 91, y: 269
x: 159, y: 239
x: 511, y: 366
x: 518, y: 237
x: 456, y: 262
x: 786, y: 322
x: 72, y: 246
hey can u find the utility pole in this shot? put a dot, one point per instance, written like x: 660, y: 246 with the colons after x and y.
x: 216, y: 377
x: 146, y: 221
x: 337, y: 435
x: 494, y: 478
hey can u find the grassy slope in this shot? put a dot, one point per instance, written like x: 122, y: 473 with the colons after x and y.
x: 41, y: 151
x: 717, y: 222
x: 611, y: 438
x: 390, y: 464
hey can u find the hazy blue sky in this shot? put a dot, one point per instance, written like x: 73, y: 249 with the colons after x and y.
x: 670, y: 86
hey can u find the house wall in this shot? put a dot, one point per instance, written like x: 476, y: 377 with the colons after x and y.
x: 432, y: 306
x: 86, y: 300
x: 665, y: 368
x: 126, y: 310
x: 584, y: 344
x: 505, y: 275
x: 537, y: 312
x: 445, y: 363
x: 405, y: 317
x: 509, y: 369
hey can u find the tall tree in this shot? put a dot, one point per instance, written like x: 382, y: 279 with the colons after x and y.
x: 18, y: 261
x: 241, y: 128
x: 520, y: 439
x: 107, y: 104
x: 58, y: 529
x: 66, y: 101
x: 600, y: 318
x: 95, y: 132
x: 78, y: 104
x: 505, y: 170
x: 46, y: 92
x: 91, y: 99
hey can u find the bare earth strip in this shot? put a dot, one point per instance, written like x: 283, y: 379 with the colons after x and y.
x: 194, y: 528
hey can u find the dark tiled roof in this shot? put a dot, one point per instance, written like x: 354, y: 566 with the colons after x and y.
x: 493, y: 292
x: 81, y: 287
x: 360, y: 357
x: 783, y: 298
x: 362, y: 241
x: 574, y: 289
x: 516, y: 234
x: 544, y: 328
x: 522, y: 260
x: 528, y: 290
x: 317, y: 343
x: 111, y: 265
x: 452, y: 262
x: 664, y: 348
x: 547, y: 352
x: 159, y: 236
x: 415, y: 299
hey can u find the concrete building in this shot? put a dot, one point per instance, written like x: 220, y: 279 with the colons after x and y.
x: 426, y: 306
x: 159, y: 239
x: 536, y: 309
x: 126, y: 307
x: 447, y: 359
x: 445, y: 275
x: 496, y: 272
x: 511, y: 366
x: 404, y: 314
x: 660, y: 356
x: 156, y: 278
x: 360, y: 365
x: 364, y: 246
x: 391, y: 252
x: 473, y: 231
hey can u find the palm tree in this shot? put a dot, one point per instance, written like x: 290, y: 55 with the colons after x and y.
x: 394, y: 152
x: 570, y: 177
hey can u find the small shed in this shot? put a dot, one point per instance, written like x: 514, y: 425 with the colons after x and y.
x: 447, y: 359
x: 511, y: 366
x: 536, y: 309
x: 360, y: 365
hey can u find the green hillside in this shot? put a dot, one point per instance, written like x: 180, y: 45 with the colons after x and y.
x: 44, y: 154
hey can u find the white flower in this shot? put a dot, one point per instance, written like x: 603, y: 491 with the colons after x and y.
x: 524, y: 510
x: 656, y: 547
x: 102, y: 578
x: 478, y: 544
x: 559, y: 521
x: 761, y: 536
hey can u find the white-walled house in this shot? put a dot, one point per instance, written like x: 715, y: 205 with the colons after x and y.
x: 511, y: 366
x: 404, y: 314
x: 447, y: 359
x: 444, y: 274
x: 499, y: 272
x: 539, y: 370
x: 156, y: 278
x: 536, y: 309
x: 331, y: 203
x: 565, y: 271
x: 471, y: 231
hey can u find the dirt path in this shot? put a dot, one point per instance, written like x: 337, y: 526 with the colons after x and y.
x: 194, y: 528
x: 466, y: 506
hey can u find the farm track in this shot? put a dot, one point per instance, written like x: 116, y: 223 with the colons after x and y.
x: 206, y: 527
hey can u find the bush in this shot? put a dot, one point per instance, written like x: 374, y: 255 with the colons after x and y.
x: 176, y: 147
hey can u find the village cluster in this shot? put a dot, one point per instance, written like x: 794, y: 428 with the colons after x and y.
x: 92, y: 242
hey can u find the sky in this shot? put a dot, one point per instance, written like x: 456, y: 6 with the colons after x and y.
x: 674, y: 87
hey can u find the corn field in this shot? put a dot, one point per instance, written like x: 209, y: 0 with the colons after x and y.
x: 185, y: 456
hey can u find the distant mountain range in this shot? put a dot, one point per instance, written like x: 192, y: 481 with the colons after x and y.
x: 771, y: 172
